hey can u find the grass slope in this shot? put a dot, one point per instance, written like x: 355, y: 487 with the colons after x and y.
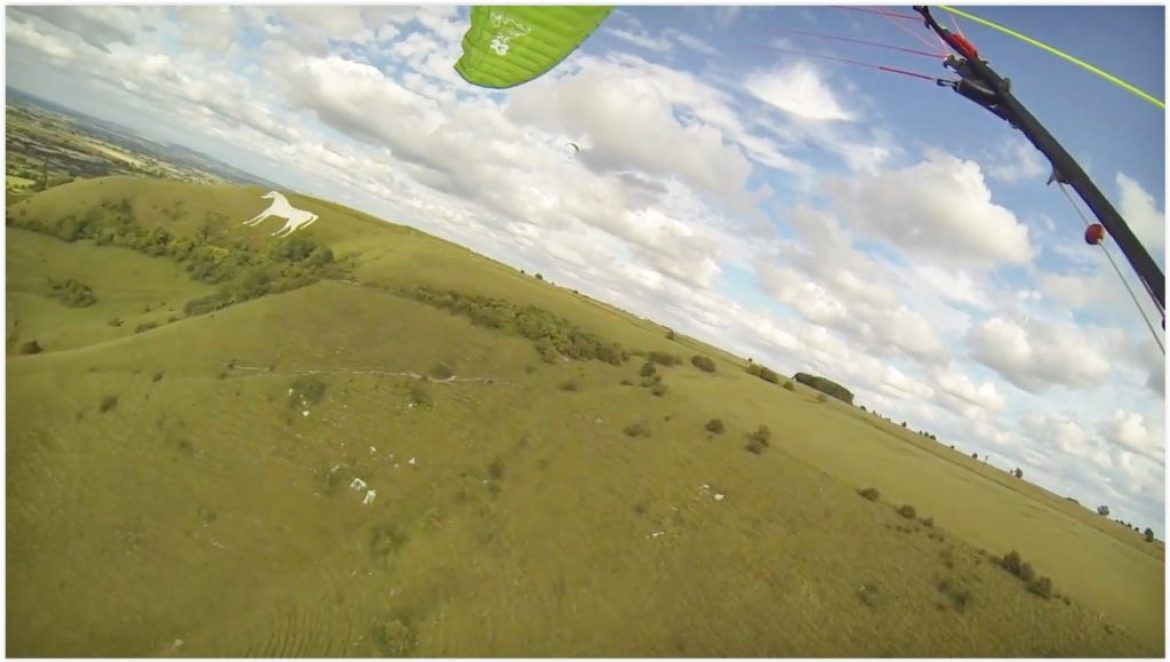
x: 187, y: 490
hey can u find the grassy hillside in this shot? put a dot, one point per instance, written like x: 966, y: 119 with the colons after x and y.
x: 197, y: 488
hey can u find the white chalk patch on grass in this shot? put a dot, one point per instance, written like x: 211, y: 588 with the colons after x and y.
x: 657, y: 533
x: 357, y: 485
x: 369, y: 497
x: 373, y: 450
x: 410, y: 461
x: 305, y: 413
x: 718, y: 497
x: 280, y: 207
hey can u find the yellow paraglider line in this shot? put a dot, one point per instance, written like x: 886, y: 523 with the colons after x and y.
x: 1061, y: 54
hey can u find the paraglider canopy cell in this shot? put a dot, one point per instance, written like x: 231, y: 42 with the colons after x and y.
x: 508, y: 46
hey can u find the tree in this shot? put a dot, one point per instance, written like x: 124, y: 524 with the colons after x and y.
x: 975, y: 455
x: 1103, y: 511
x: 1019, y: 473
x: 1149, y: 534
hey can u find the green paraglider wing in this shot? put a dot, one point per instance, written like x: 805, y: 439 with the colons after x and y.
x: 508, y: 46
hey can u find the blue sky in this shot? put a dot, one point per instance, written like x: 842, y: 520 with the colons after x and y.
x: 814, y: 215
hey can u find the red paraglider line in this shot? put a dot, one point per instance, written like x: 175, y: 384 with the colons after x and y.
x: 880, y: 67
x: 822, y: 35
x: 880, y: 12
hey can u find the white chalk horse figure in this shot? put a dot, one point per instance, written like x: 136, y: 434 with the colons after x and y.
x: 295, y: 219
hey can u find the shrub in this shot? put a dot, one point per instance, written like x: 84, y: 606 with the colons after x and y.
x: 758, y: 440
x: 670, y: 334
x: 763, y: 434
x: 637, y: 430
x: 496, y: 470
x: 703, y: 363
x: 648, y: 369
x: 1041, y: 586
x: 822, y: 398
x: 870, y: 493
x: 626, y: 382
x: 31, y: 347
x: 145, y: 326
x: 1017, y: 566
x: 658, y: 390
x: 441, y: 371
x: 664, y: 358
x: 570, y: 385
x: 420, y: 397
x: 157, y: 377
x: 73, y: 293
x: 306, y: 389
x: 907, y: 511
x: 789, y: 385
x: 386, y: 540
x: 757, y: 370
x: 715, y: 425
x: 959, y: 595
x: 1149, y: 533
x: 115, y: 322
x: 539, y: 277
x: 928, y: 522
x: 108, y: 403
x: 395, y: 638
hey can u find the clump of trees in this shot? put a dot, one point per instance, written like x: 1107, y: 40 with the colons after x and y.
x: 72, y: 293
x: 552, y: 336
x: 243, y: 272
x: 826, y: 386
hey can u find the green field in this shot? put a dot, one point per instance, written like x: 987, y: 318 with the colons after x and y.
x: 187, y: 488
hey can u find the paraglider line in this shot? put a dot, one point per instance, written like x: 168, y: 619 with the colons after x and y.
x: 1116, y: 270
x: 912, y: 51
x: 937, y: 43
x: 870, y: 65
x: 1061, y: 54
x: 879, y: 12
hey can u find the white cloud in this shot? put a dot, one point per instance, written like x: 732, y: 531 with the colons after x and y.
x: 45, y: 44
x: 1016, y: 161
x: 1035, y: 355
x: 693, y: 43
x: 940, y: 209
x: 799, y: 89
x: 1129, y: 430
x: 969, y: 396
x: 1137, y: 207
x: 642, y: 39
